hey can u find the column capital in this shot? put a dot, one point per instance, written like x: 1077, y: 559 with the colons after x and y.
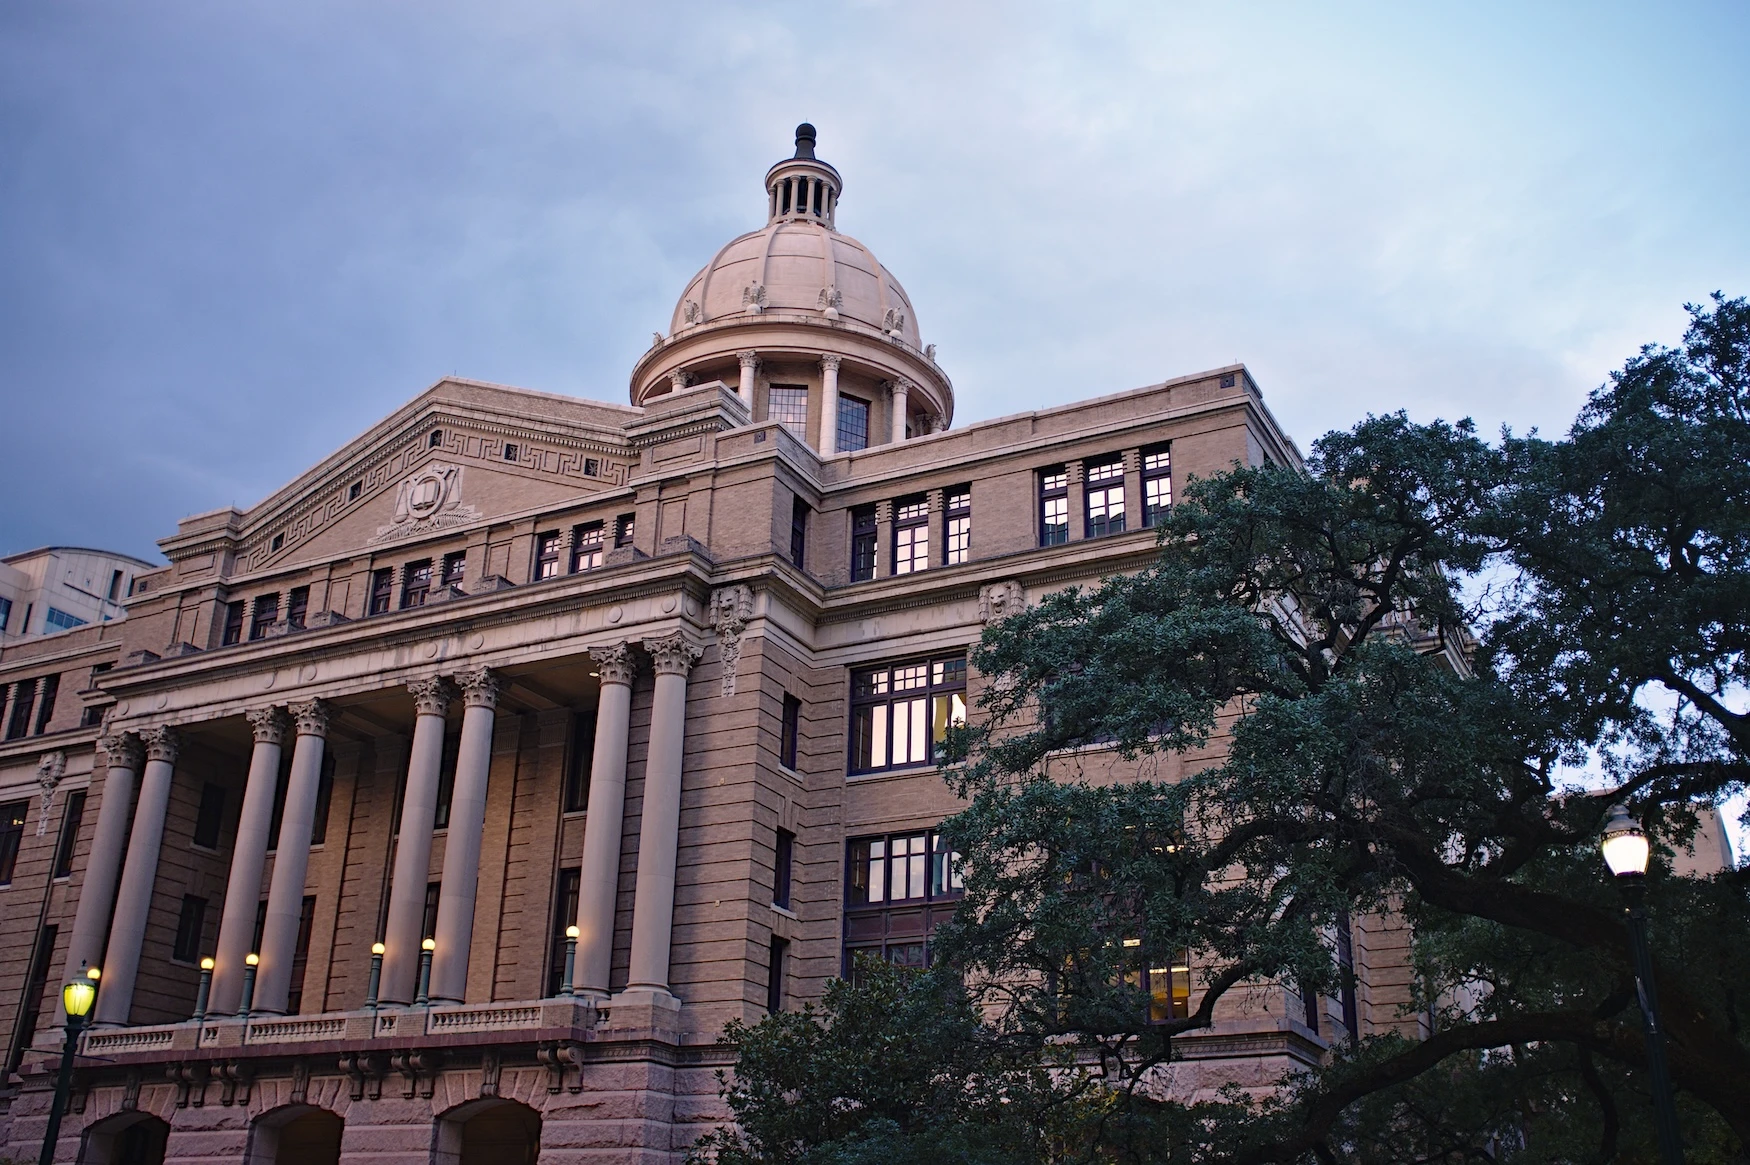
x: 749, y: 359
x: 431, y: 696
x: 674, y: 655
x: 269, y: 724
x: 616, y: 664
x: 680, y: 379
x: 830, y: 362
x: 904, y: 384
x: 124, y: 750
x: 162, y: 744
x: 480, y: 687
x: 313, y: 717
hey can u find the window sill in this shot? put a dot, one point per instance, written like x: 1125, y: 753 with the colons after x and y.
x: 786, y: 912
x: 889, y: 774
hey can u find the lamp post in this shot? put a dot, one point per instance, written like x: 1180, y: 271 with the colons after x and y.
x: 426, y: 947
x: 250, y: 962
x: 565, y: 988
x: 377, y: 950
x: 1626, y: 850
x: 200, y: 998
x: 77, y: 997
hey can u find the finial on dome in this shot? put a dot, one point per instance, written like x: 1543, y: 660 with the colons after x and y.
x: 804, y: 141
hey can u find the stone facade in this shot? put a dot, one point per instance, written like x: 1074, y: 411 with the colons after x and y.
x: 512, y: 661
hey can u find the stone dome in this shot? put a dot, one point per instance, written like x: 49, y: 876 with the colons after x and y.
x: 803, y: 266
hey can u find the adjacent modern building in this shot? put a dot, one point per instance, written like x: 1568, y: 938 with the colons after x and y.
x: 58, y: 588
x: 603, y: 723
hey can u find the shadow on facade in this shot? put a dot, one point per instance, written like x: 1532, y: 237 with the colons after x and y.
x: 488, y: 1132
x: 127, y: 1138
x: 297, y: 1134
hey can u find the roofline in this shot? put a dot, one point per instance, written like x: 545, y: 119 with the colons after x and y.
x: 11, y: 558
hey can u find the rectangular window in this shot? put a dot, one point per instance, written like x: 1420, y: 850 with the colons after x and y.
x: 1168, y: 987
x: 1157, y: 485
x: 415, y: 583
x: 37, y: 986
x: 957, y: 543
x: 510, y: 451
x: 58, y: 620
x: 547, y: 555
x: 775, y: 967
x: 260, y: 926
x: 11, y: 834
x: 189, y: 924
x: 1053, y: 506
x: 301, y: 955
x: 789, y: 731
x: 51, y: 687
x: 788, y: 405
x: 71, y: 818
x: 115, y: 585
x: 233, y: 624
x: 5, y: 614
x: 798, y: 532
x: 1104, y: 483
x: 265, y: 613
x: 863, y: 539
x: 447, y: 778
x: 899, y: 887
x: 211, y: 814
x: 281, y: 787
x: 564, y: 915
x: 900, y: 714
x: 382, y: 590
x: 853, y: 424
x: 297, y: 606
x: 625, y: 528
x: 582, y: 760
x: 324, y: 798
x: 23, y: 701
x: 587, y: 543
x: 783, y: 859
x: 455, y: 566
x: 428, y: 925
x: 911, y: 534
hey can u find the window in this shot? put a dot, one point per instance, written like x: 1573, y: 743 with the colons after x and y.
x: 282, y: 786
x: 233, y: 624
x: 582, y: 760
x: 863, y: 539
x: 788, y: 405
x: 428, y: 925
x: 1157, y: 485
x: 37, y: 986
x: 71, y: 818
x: 11, y: 833
x: 324, y: 797
x: 436, y: 439
x: 416, y: 583
x: 264, y: 615
x: 1053, y: 506
x: 115, y: 585
x: 1168, y: 987
x: 899, y: 887
x: 51, y: 687
x: 775, y: 966
x: 798, y: 532
x: 789, y: 731
x: 853, y: 424
x: 1346, y: 967
x: 957, y: 503
x: 911, y: 534
x: 210, y: 816
x: 260, y: 926
x: 60, y: 620
x: 354, y: 490
x: 297, y: 606
x: 587, y: 542
x: 625, y: 526
x: 382, y: 590
x: 510, y: 451
x: 455, y: 567
x: 1104, y: 482
x: 301, y: 955
x: 900, y: 714
x: 564, y: 914
x: 23, y: 700
x: 92, y: 715
x: 591, y: 467
x: 5, y: 613
x: 447, y: 778
x: 783, y: 859
x: 189, y: 924
x: 278, y: 543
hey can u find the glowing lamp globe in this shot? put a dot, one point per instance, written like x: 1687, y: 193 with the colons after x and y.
x: 378, y: 948
x: 78, y: 996
x: 1625, y: 846
x: 428, y: 944
x: 571, y: 932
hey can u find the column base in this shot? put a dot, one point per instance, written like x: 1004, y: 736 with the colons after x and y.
x: 646, y: 1009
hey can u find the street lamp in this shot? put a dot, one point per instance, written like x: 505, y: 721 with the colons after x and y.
x: 200, y: 999
x: 250, y: 962
x: 77, y: 998
x: 426, y: 947
x: 565, y: 988
x: 1626, y: 851
x: 377, y: 950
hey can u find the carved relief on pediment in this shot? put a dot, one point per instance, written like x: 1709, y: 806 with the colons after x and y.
x: 426, y: 500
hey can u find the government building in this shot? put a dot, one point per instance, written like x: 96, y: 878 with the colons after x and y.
x: 499, y: 759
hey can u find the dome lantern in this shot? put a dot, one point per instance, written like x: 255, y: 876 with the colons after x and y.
x: 802, y: 186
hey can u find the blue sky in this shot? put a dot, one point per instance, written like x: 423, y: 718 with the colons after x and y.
x: 234, y: 235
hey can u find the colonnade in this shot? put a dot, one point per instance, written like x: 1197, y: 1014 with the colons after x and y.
x: 899, y: 397
x: 308, y: 722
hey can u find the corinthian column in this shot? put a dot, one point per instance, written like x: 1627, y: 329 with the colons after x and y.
x: 237, y: 923
x: 829, y: 404
x: 133, y: 900
x: 431, y: 700
x: 750, y: 362
x: 598, y: 883
x: 291, y: 860
x: 85, y: 945
x: 455, y: 920
x: 659, y: 825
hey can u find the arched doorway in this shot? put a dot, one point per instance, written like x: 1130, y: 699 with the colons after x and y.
x: 127, y: 1138
x: 488, y: 1132
x: 298, y: 1134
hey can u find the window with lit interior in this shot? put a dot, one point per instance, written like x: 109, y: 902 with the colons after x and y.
x: 900, y: 714
x: 899, y: 888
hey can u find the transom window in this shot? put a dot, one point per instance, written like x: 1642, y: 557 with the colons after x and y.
x: 1105, y: 496
x: 587, y: 544
x: 911, y: 534
x: 1053, y: 506
x: 547, y: 555
x: 853, y: 424
x: 1157, y: 485
x: 899, y: 887
x: 900, y: 714
x: 957, y: 504
x: 788, y: 405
